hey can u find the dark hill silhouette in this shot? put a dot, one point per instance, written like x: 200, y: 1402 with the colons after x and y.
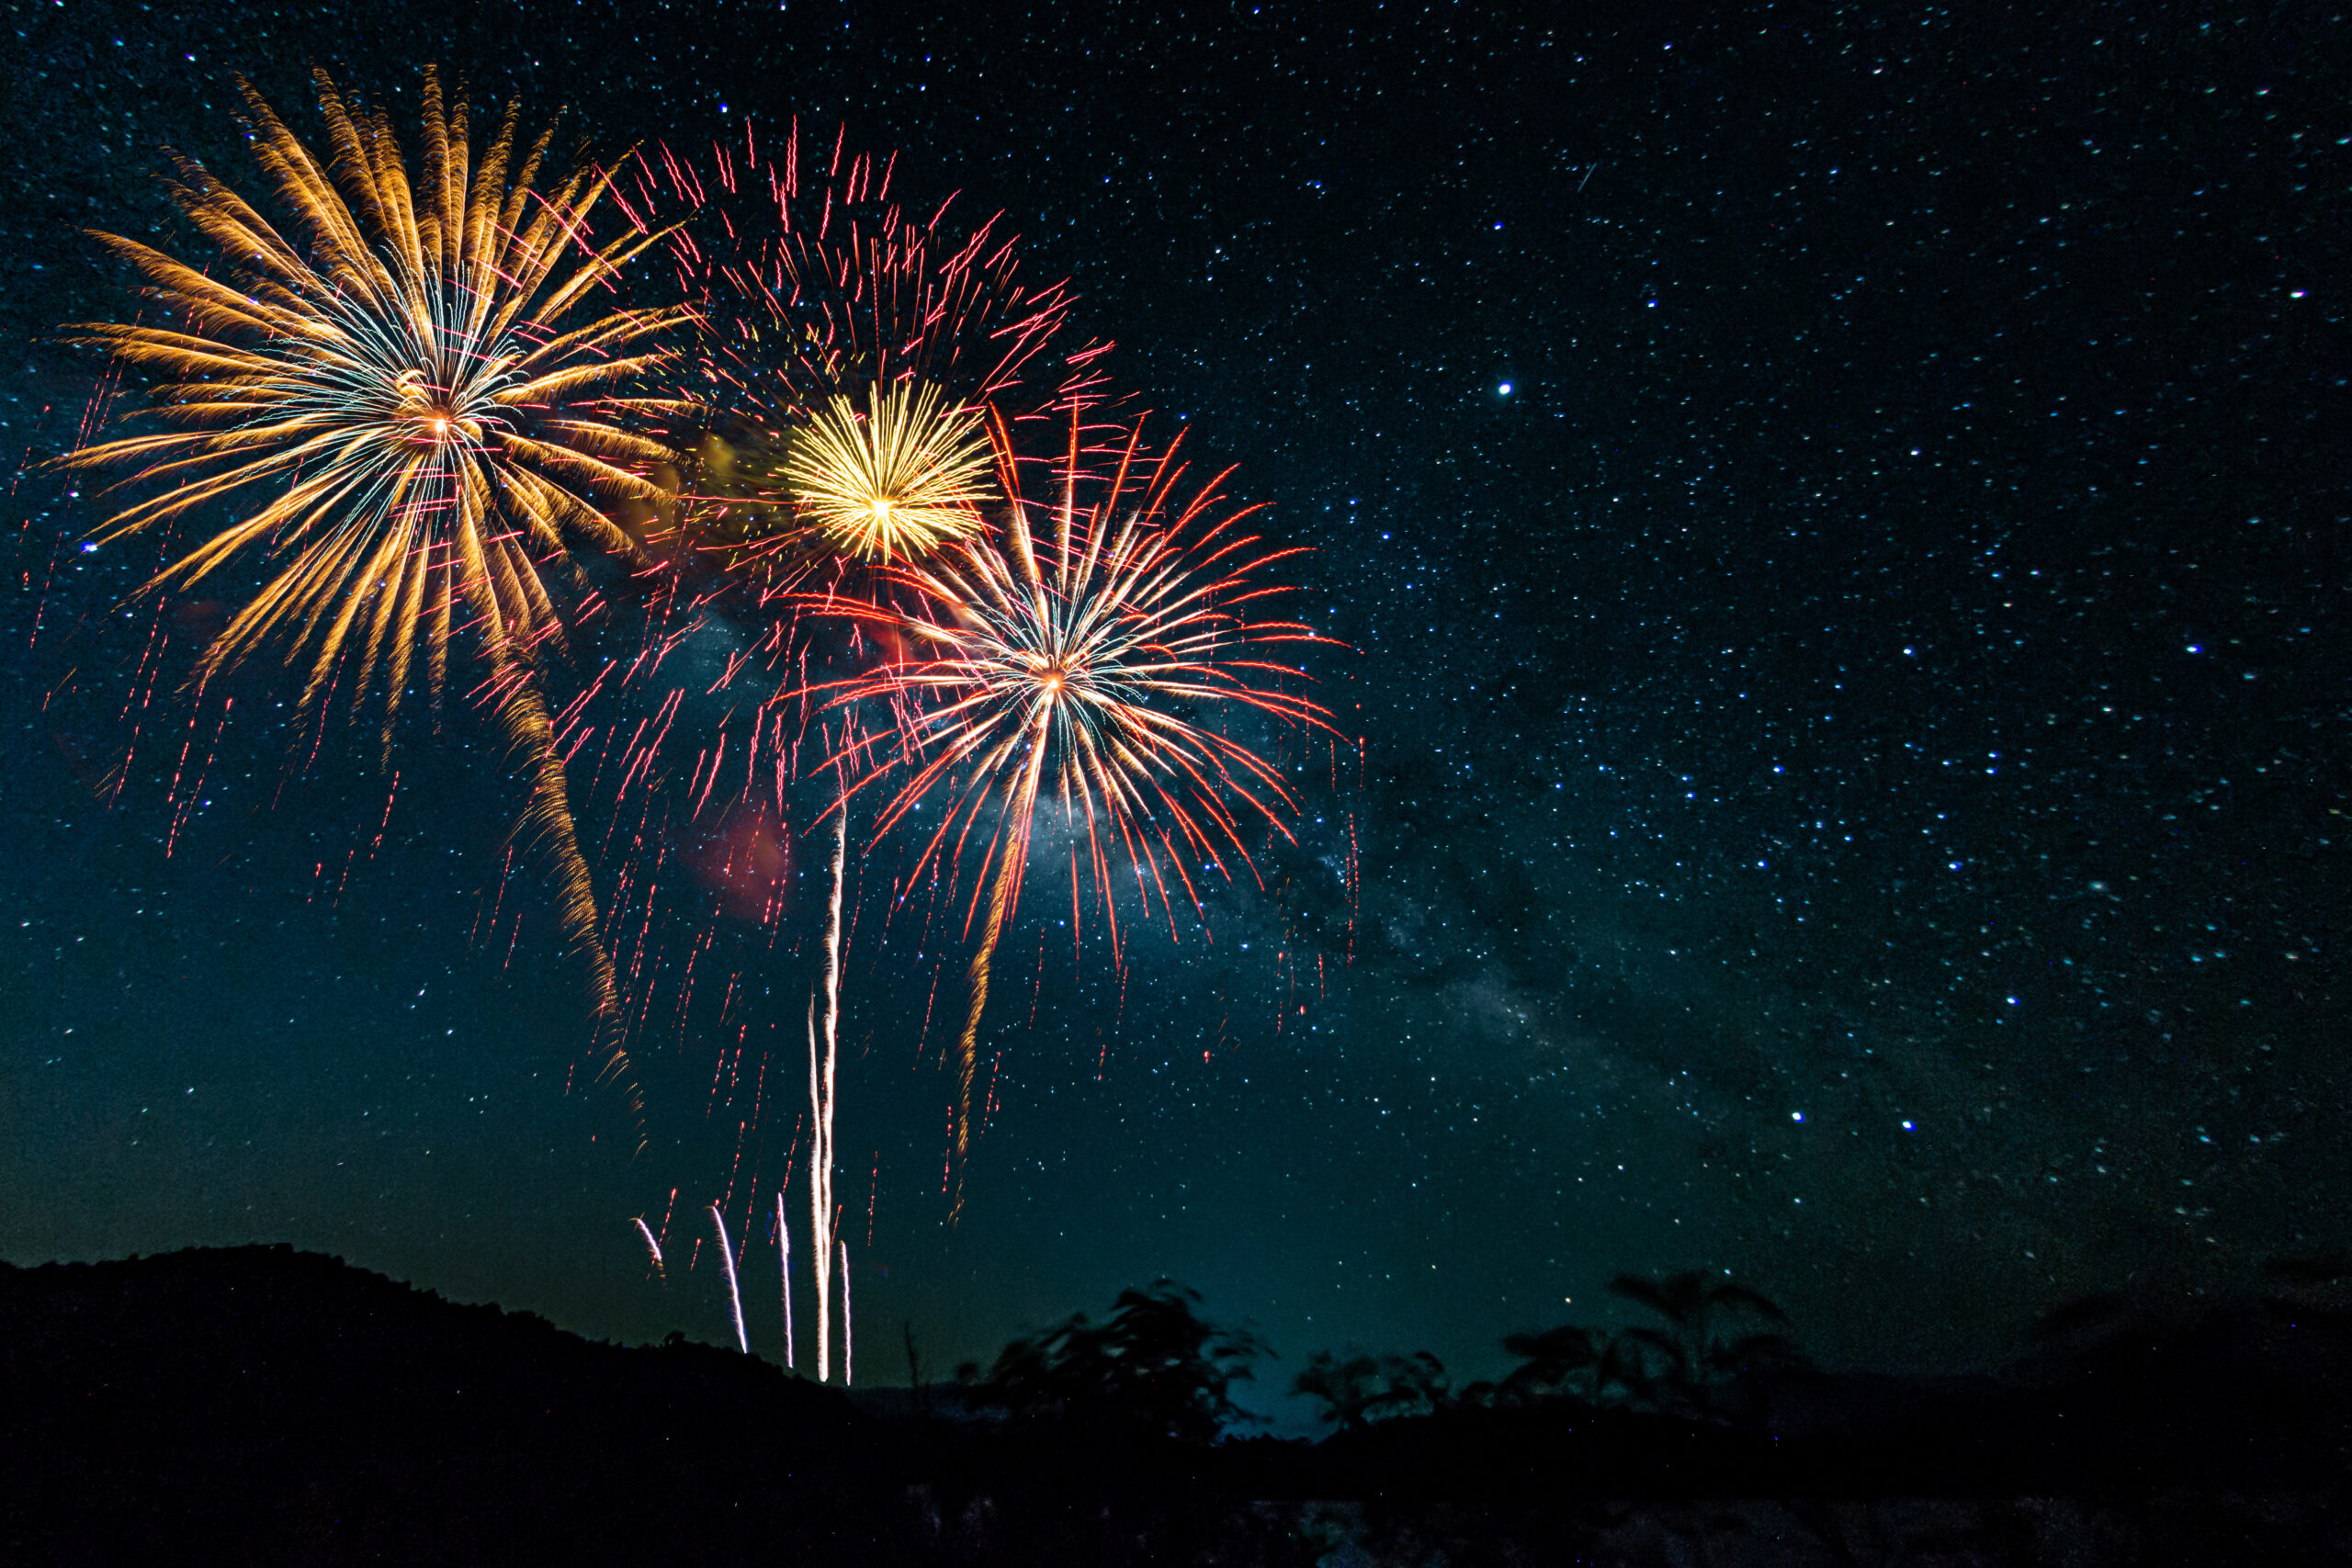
x: 258, y: 1405
x: 262, y: 1405
x: 266, y: 1402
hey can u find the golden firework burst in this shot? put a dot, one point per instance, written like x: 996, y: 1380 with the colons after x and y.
x: 392, y: 401
x: 896, y: 482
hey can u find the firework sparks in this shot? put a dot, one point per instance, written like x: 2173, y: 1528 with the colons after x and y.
x: 816, y: 280
x: 652, y: 1246
x: 1059, y: 668
x: 895, y: 483
x: 395, y: 407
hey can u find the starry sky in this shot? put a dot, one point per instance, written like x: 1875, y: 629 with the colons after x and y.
x: 1835, y: 517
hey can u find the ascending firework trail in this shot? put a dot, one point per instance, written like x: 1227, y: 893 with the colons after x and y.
x: 783, y: 1268
x: 823, y: 1228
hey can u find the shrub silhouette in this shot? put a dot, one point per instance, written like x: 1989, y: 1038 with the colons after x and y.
x: 1155, y: 1365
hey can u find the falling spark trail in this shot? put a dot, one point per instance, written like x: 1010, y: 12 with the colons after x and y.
x: 734, y: 1296
x: 822, y: 1221
x: 783, y: 1239
x: 652, y: 1246
x: 849, y: 1333
x: 968, y: 1043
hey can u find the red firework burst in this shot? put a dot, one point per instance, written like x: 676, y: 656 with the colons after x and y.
x: 1074, y: 669
x: 820, y: 292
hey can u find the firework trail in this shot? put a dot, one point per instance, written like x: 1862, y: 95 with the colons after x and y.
x: 822, y: 1227
x: 1058, y: 667
x: 819, y: 1253
x: 849, y: 1331
x: 396, y: 409
x: 784, y: 1240
x: 975, y: 979
x: 652, y: 1246
x: 734, y: 1296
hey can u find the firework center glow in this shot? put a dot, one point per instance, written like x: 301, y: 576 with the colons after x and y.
x: 1052, y: 675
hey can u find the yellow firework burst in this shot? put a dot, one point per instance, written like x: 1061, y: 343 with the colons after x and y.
x: 894, y: 482
x: 398, y: 379
x: 393, y: 403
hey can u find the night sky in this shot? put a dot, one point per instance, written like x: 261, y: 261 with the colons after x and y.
x: 1836, y: 517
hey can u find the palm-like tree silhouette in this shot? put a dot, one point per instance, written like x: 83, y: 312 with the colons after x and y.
x: 1560, y: 1361
x: 1718, y: 1347
x: 1362, y: 1389
x: 1717, y: 1335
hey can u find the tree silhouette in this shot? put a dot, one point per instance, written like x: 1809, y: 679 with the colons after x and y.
x: 1362, y: 1389
x: 1711, y: 1342
x: 1557, y: 1362
x: 1718, y: 1349
x: 1153, y: 1365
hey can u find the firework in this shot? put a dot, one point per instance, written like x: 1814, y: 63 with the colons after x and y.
x: 816, y: 280
x: 849, y: 1331
x: 734, y: 1295
x: 831, y: 312
x: 397, y: 404
x: 652, y: 1246
x: 817, y: 294
x: 894, y: 483
x: 1060, y: 669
